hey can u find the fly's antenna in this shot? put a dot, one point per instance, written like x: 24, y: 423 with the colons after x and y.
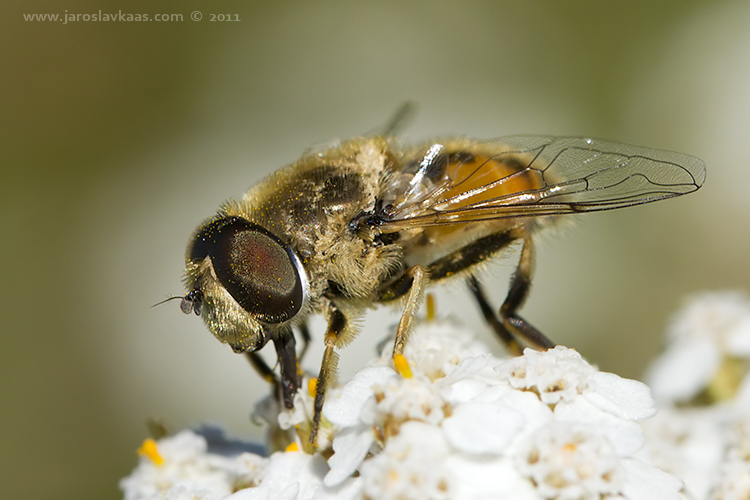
x: 173, y: 297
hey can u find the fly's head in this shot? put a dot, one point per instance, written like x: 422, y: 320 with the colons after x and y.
x: 243, y: 280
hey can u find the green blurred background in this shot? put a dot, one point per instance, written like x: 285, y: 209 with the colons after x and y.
x: 118, y: 138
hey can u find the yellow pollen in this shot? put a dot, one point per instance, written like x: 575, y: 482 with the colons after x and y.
x: 312, y: 386
x: 150, y: 450
x: 402, y: 366
x: 569, y: 448
x: 292, y: 447
x: 430, y: 307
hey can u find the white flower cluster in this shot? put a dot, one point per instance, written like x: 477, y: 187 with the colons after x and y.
x: 541, y: 426
x: 183, y: 469
x: 463, y: 424
x: 702, y: 385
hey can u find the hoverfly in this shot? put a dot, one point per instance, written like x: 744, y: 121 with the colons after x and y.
x: 369, y: 222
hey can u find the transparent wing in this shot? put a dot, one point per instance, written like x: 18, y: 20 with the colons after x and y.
x: 528, y: 176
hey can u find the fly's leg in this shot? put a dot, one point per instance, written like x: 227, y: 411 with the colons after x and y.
x: 286, y: 386
x: 415, y: 279
x: 285, y: 350
x: 305, y: 333
x: 267, y: 373
x: 262, y: 368
x: 491, y: 318
x: 337, y: 324
x: 411, y: 284
x: 445, y: 267
x: 519, y: 290
x: 509, y: 324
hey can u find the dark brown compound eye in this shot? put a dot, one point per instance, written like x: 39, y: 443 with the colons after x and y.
x: 261, y: 272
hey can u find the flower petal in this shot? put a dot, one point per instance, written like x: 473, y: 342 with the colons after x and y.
x: 350, y: 447
x: 625, y: 398
x: 644, y: 482
x: 345, y: 410
x: 482, y: 427
x: 626, y: 436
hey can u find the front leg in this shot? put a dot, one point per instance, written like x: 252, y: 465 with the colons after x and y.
x: 335, y: 337
x: 287, y: 384
x: 287, y: 355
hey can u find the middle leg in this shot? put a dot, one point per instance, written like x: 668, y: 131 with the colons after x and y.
x: 410, y: 284
x: 510, y: 325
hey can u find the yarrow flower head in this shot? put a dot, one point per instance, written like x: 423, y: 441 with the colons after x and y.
x: 458, y: 423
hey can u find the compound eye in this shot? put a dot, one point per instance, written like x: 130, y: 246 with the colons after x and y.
x: 260, y: 271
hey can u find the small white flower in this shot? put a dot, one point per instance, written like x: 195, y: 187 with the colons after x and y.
x: 384, y: 401
x: 471, y: 377
x: 684, y: 369
x: 187, y: 469
x: 561, y: 375
x: 400, y: 399
x: 717, y: 315
x: 734, y: 481
x: 346, y: 411
x: 436, y: 348
x: 568, y: 461
x: 411, y: 466
x: 300, y: 412
x: 557, y: 374
x: 688, y: 443
x: 711, y: 328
